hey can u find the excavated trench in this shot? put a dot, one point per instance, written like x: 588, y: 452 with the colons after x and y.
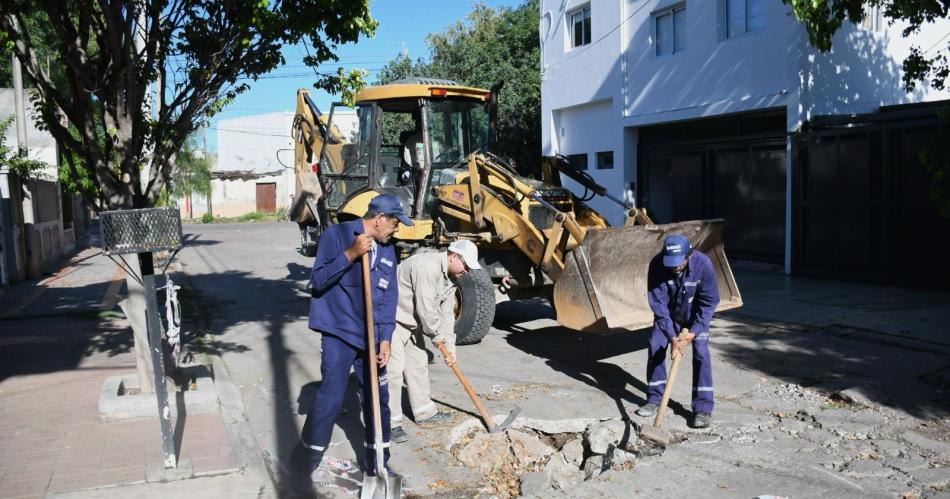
x: 539, y: 455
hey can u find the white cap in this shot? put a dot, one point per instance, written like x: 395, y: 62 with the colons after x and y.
x: 468, y: 251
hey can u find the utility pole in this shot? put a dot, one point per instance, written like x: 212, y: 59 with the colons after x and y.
x: 19, y: 102
x: 204, y: 147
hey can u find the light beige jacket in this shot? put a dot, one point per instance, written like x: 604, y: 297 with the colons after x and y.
x: 427, y: 296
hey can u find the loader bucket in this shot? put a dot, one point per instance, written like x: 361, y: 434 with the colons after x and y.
x: 603, y: 287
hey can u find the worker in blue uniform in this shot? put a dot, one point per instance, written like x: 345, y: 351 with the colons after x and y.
x: 337, y: 313
x: 683, y: 294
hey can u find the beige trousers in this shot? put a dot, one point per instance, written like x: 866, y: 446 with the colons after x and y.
x: 409, y: 366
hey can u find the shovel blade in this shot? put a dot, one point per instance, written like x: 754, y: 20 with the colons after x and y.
x: 603, y: 287
x: 507, y: 422
x: 384, y: 486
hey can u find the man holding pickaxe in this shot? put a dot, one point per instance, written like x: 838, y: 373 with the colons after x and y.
x: 683, y: 294
x: 426, y: 308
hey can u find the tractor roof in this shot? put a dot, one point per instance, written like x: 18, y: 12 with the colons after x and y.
x: 420, y: 87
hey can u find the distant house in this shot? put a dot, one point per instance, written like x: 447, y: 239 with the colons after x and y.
x: 39, y: 222
x: 254, y: 170
x: 721, y: 108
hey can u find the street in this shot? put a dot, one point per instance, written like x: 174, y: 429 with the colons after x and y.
x: 839, y: 390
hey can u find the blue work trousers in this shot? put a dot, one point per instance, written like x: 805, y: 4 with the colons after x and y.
x: 702, y: 370
x: 337, y: 357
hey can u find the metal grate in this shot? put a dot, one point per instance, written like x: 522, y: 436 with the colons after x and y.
x: 138, y: 231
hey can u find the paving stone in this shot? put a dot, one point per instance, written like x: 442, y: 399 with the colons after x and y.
x: 927, y: 443
x: 908, y: 466
x: 932, y: 477
x: 867, y: 469
x: 891, y: 448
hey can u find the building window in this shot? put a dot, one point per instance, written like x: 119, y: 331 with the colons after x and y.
x: 873, y: 20
x: 670, y: 30
x: 605, y: 160
x: 578, y: 161
x: 580, y: 27
x: 742, y: 16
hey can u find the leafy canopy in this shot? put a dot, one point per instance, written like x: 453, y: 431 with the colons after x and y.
x: 120, y: 140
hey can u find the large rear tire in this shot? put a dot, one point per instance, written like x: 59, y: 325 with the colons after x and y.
x: 476, y: 307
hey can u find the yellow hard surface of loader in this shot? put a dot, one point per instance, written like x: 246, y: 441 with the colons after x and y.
x: 427, y: 141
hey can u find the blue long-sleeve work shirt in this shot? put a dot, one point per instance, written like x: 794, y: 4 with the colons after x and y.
x: 686, y: 300
x: 336, y: 295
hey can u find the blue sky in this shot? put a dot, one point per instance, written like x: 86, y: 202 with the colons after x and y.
x: 401, y: 25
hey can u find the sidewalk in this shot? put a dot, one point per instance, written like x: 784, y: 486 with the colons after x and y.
x: 56, y: 350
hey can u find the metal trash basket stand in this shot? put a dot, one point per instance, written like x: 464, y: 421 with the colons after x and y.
x: 143, y: 231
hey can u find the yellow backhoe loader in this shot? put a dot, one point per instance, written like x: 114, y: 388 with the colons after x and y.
x: 427, y: 141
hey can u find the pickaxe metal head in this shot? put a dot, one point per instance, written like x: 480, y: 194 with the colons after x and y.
x: 507, y: 422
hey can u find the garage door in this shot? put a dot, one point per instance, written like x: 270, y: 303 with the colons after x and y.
x: 732, y: 168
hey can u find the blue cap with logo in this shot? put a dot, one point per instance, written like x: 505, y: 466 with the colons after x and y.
x: 390, y: 205
x: 675, y: 249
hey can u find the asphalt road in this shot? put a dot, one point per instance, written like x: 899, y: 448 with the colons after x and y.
x: 776, y: 431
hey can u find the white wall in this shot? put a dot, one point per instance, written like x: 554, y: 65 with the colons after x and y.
x: 710, y: 76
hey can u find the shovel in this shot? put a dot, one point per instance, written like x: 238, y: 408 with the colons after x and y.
x: 384, y: 485
x: 486, y: 417
x: 655, y: 433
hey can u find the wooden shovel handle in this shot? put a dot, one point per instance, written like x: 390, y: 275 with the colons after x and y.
x: 371, y: 354
x: 489, y: 423
x: 670, y: 379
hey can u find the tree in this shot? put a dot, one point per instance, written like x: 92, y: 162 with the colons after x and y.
x: 191, y: 173
x: 119, y: 146
x: 823, y: 18
x: 200, y: 54
x: 491, y: 45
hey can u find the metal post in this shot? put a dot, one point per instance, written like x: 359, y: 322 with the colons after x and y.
x: 157, y: 349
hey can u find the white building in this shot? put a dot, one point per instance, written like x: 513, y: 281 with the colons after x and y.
x: 39, y: 223
x: 254, y: 170
x: 696, y: 106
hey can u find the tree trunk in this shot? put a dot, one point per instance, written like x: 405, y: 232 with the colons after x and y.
x: 133, y: 305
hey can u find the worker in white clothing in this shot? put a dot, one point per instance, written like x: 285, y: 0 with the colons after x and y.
x: 426, y: 308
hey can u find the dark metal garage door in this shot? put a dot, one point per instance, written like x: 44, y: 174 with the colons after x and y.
x: 731, y: 167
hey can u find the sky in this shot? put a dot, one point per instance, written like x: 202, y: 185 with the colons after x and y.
x: 402, y: 26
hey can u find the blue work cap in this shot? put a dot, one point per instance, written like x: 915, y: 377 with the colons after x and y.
x: 390, y: 205
x: 675, y: 249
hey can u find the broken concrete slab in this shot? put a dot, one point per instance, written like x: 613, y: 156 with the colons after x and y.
x: 573, y: 452
x: 909, y: 466
x: 932, y: 478
x: 535, y: 483
x: 593, y: 466
x: 599, y: 436
x: 563, y: 474
x: 490, y: 452
x: 891, y: 448
x: 553, y: 426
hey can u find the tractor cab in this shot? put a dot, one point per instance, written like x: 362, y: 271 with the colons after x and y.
x: 412, y: 135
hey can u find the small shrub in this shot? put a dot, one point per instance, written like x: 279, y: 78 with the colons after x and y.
x: 207, y: 218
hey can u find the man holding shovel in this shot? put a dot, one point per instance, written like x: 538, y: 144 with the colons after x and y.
x: 337, y: 312
x: 683, y: 294
x: 426, y: 308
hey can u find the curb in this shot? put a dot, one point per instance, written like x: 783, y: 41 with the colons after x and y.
x: 239, y: 429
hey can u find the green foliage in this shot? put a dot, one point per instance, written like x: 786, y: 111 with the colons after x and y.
x: 17, y: 159
x: 937, y: 163
x: 105, y: 57
x: 207, y: 218
x: 492, y: 45
x: 192, y: 171
x: 823, y: 18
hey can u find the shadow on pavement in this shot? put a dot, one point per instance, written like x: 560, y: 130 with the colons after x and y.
x: 913, y: 378
x: 579, y: 355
